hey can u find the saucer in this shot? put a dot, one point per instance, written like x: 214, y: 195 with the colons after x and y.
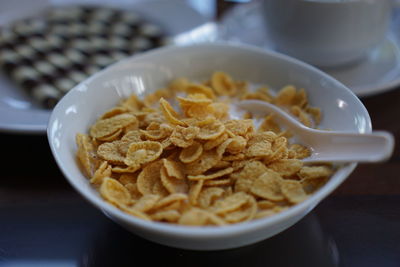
x: 378, y: 72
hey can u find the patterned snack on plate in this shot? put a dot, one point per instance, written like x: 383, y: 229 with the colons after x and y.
x: 47, y: 56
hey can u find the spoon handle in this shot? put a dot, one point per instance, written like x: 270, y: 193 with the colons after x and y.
x: 350, y: 147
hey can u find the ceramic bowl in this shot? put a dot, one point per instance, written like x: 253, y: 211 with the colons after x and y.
x: 144, y: 73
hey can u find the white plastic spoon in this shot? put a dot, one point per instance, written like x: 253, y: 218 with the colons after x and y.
x: 329, y: 146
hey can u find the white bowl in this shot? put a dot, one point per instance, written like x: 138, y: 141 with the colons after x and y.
x: 140, y: 74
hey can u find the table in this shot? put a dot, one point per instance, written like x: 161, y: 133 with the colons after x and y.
x: 44, y: 222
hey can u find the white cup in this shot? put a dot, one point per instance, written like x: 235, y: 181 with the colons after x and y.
x: 327, y: 33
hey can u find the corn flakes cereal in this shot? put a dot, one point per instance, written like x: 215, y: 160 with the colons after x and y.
x: 210, y: 144
x: 269, y: 124
x: 174, y: 169
x: 150, y: 99
x: 112, y: 137
x: 259, y: 149
x: 110, y: 152
x: 156, y: 131
x: 222, y: 164
x: 200, y: 111
x: 312, y: 184
x: 200, y: 89
x: 315, y: 113
x: 218, y: 182
x: 313, y: 172
x: 102, y: 172
x: 300, y: 152
x: 202, y: 122
x: 245, y: 94
x: 211, y: 130
x: 242, y: 88
x: 245, y: 213
x: 240, y: 127
x: 286, y: 167
x: 142, y: 152
x: 237, y: 145
x: 125, y: 169
x: 265, y: 213
x: 114, y: 192
x: 265, y: 204
x: 184, y: 136
x: 217, y: 174
x: 167, y: 144
x: 127, y: 178
x: 192, y: 100
x: 189, y: 161
x: 223, y: 84
x: 300, y: 99
x: 150, y: 116
x: 149, y: 180
x: 258, y: 137
x: 246, y: 176
x: 133, y: 190
x: 206, y: 161
x: 194, y: 191
x: 110, y: 126
x: 113, y: 112
x: 177, y: 205
x: 136, y: 213
x: 130, y: 137
x: 191, y: 153
x: 170, y: 114
x: 285, y: 96
x: 222, y: 148
x: 166, y: 215
x: 268, y: 186
x: 302, y: 116
x: 132, y: 103
x: 209, y: 195
x: 255, y: 96
x: 279, y: 150
x: 86, y: 153
x: 170, y: 199
x: 234, y: 157
x: 265, y: 91
x: 218, y: 110
x: 230, y: 203
x: 172, y: 184
x: 146, y: 202
x: 293, y: 191
x: 198, y: 217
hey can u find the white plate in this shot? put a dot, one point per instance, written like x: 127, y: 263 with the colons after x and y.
x: 378, y: 73
x: 20, y: 115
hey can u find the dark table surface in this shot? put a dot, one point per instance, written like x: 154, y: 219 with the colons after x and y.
x: 44, y: 222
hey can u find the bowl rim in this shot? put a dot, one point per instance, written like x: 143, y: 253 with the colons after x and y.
x: 208, y: 232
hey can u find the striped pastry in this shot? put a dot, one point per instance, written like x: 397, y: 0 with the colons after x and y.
x: 48, y: 56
